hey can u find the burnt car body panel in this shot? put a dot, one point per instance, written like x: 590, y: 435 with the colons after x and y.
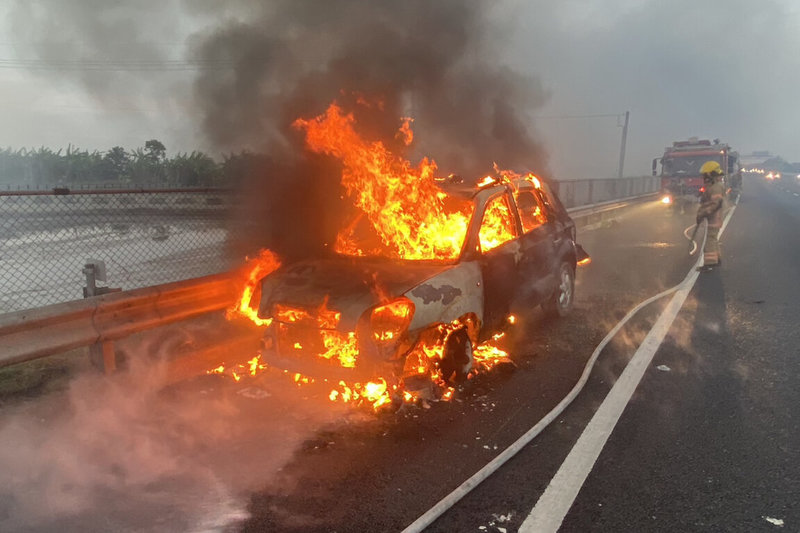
x: 349, y: 285
x: 517, y: 274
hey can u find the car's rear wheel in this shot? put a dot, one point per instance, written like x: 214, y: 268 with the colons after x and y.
x: 560, y: 303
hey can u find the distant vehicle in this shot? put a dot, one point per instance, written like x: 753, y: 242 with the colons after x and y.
x: 351, y: 317
x: 681, y: 182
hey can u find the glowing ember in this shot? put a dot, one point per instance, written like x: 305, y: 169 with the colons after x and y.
x: 487, y: 355
x: 340, y: 346
x: 252, y: 368
x: 300, y: 379
x: 375, y: 393
x: 322, y: 316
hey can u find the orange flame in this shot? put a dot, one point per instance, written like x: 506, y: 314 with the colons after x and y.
x: 413, y: 219
x: 340, y: 346
x: 257, y: 268
x: 403, y: 203
x: 322, y: 316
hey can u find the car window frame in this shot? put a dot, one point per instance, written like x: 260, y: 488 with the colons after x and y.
x: 505, y: 195
x: 527, y: 187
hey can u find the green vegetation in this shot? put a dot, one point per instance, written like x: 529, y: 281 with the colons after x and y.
x: 41, y: 375
x: 144, y: 166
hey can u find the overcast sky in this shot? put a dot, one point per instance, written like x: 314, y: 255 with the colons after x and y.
x: 96, y: 74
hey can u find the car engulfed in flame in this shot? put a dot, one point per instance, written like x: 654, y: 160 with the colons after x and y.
x: 372, y: 319
x: 420, y: 280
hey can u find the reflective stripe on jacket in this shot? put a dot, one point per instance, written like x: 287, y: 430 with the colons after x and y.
x: 711, y: 202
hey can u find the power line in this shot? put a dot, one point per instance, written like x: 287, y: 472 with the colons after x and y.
x: 604, y: 115
x: 122, y: 65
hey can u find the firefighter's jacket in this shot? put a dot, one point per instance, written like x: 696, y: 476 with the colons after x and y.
x: 711, y: 202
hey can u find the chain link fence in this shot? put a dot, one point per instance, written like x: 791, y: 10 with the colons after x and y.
x: 144, y: 237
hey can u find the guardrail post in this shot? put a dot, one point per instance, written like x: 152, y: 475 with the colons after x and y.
x: 101, y: 354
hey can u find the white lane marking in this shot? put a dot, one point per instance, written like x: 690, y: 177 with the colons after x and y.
x: 556, y: 500
x: 553, y: 505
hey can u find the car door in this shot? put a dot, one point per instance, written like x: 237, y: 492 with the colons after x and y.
x: 500, y: 254
x: 536, y: 268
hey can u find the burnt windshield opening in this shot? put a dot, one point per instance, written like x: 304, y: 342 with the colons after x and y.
x: 433, y: 236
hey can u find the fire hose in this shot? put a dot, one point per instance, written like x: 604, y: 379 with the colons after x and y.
x: 490, y: 468
x: 692, y: 242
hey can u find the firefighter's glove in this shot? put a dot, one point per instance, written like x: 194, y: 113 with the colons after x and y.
x: 699, y: 219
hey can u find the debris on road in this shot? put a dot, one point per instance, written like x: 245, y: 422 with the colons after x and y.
x: 774, y: 521
x: 663, y: 368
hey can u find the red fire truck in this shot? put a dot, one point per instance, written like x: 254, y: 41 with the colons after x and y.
x: 681, y: 181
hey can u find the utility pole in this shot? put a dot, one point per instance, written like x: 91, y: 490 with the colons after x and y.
x: 624, y: 140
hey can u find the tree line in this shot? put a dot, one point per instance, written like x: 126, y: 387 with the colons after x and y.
x: 146, y: 166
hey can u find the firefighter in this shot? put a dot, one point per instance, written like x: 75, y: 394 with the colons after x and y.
x: 711, y: 204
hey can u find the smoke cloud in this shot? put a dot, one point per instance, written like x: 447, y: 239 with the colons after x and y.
x: 383, y: 61
x: 128, y: 453
x: 430, y: 61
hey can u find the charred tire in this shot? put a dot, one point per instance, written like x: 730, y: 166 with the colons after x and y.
x: 456, y: 357
x: 560, y: 303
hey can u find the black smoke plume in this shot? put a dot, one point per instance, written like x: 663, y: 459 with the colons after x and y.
x: 284, y: 60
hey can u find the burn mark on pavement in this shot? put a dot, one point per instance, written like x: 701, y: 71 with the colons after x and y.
x: 429, y: 293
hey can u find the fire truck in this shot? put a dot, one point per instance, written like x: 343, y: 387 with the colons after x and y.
x: 681, y: 182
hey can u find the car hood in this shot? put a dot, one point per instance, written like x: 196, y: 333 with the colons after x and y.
x: 345, y: 284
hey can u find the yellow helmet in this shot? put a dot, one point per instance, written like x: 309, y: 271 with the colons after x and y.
x: 712, y: 168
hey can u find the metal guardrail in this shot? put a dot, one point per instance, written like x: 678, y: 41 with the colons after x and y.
x: 36, y: 333
x: 610, y: 205
x: 575, y: 193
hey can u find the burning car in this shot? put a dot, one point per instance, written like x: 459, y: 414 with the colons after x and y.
x: 367, y: 311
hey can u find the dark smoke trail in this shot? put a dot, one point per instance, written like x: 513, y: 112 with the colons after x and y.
x: 428, y: 60
x: 432, y: 59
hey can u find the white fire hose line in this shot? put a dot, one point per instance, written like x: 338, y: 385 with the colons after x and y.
x: 549, y: 511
